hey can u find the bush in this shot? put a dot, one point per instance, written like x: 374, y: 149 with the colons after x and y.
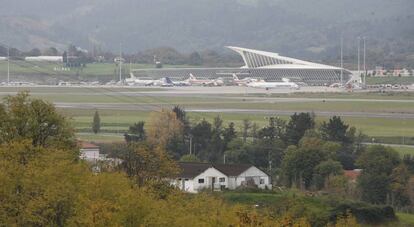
x: 364, y: 213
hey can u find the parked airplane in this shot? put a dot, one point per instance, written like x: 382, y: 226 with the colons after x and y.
x: 206, y: 82
x: 274, y: 85
x: 244, y: 81
x: 163, y: 82
x: 179, y: 83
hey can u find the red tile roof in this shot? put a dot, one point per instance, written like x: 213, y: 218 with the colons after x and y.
x: 86, y: 145
x: 352, y: 174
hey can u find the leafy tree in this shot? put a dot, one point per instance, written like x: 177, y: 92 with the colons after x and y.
x: 297, y: 126
x: 247, y: 124
x: 274, y: 130
x: 189, y: 158
x: 35, y: 120
x: 195, y: 59
x: 201, y: 136
x: 378, y: 163
x: 229, y: 134
x: 400, y: 177
x: 299, y: 163
x: 214, y: 153
x: 182, y: 117
x: 96, y: 124
x: 34, y: 52
x: 163, y: 127
x: 136, y: 133
x: 52, y: 51
x: 142, y: 163
x: 335, y: 130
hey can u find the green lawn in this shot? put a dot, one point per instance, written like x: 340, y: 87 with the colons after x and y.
x: 391, y: 80
x: 406, y: 219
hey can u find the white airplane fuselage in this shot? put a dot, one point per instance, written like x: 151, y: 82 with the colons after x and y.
x: 273, y: 85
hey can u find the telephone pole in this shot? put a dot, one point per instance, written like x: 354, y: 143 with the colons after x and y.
x: 120, y: 62
x: 342, y: 60
x: 365, y: 66
x: 8, y: 65
x: 359, y: 61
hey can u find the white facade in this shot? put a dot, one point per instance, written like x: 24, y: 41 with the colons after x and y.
x: 261, y: 179
x: 90, y: 154
x: 212, y: 178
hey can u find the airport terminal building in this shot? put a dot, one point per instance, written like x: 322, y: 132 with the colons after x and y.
x: 261, y: 65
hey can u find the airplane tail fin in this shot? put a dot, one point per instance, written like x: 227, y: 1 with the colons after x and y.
x: 132, y: 76
x: 192, y: 77
x: 235, y: 77
x: 168, y: 80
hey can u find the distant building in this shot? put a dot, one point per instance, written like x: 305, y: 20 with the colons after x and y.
x: 89, y: 151
x: 3, y: 58
x: 260, y: 65
x: 45, y: 58
x: 195, y: 177
x: 352, y: 175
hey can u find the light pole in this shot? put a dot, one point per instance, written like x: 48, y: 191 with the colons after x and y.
x: 191, y: 144
x: 342, y: 59
x: 8, y: 65
x: 359, y: 61
x: 365, y: 66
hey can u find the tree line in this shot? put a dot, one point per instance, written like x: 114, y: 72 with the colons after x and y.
x: 298, y: 153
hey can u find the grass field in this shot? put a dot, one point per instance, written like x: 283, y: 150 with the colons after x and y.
x: 391, y: 80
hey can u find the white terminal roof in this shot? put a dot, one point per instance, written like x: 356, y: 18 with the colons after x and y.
x: 268, y: 60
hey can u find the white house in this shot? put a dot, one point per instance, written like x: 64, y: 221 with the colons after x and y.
x: 89, y: 151
x: 198, y: 176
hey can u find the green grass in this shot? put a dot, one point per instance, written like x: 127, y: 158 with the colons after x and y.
x: 391, y: 80
x: 404, y: 150
x: 406, y: 219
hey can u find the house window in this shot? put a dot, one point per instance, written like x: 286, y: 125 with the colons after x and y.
x: 262, y: 181
x: 201, y: 181
x: 222, y: 179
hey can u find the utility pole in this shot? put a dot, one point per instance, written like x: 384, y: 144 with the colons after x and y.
x: 359, y: 61
x: 8, y: 65
x: 120, y: 62
x: 191, y: 144
x: 342, y: 60
x: 365, y: 66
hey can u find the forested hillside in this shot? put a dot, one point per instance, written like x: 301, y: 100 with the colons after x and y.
x: 299, y: 28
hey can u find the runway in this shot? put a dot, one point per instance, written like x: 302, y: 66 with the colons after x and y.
x: 156, y: 107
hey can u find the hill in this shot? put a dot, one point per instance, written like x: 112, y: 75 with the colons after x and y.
x: 299, y: 28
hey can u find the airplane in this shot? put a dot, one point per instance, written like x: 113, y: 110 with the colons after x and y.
x: 136, y: 81
x: 244, y: 81
x: 194, y: 81
x: 274, y: 85
x: 178, y: 83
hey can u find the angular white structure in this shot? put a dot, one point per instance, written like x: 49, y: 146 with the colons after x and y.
x: 262, y: 59
x: 262, y: 65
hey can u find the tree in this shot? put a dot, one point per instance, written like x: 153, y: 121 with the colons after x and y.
x: 335, y: 130
x: 195, y: 59
x: 247, y: 124
x: 96, y: 124
x: 34, y: 52
x: 229, y: 134
x: 378, y: 163
x: 274, y: 130
x: 52, y: 51
x: 23, y: 118
x: 189, y: 158
x: 215, y: 149
x: 163, y: 127
x: 144, y: 163
x: 136, y: 133
x: 299, y: 163
x: 297, y: 126
x: 201, y: 136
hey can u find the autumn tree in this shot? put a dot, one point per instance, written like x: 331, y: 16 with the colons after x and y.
x: 247, y: 124
x: 163, y: 126
x: 23, y: 118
